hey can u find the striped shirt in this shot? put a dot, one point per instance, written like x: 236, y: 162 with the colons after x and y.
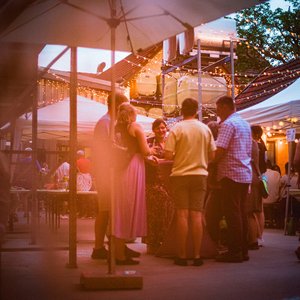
x: 235, y: 137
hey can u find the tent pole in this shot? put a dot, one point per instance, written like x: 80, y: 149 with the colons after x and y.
x: 73, y: 147
x: 163, y: 83
x: 232, y: 69
x: 199, y: 80
x: 290, y: 150
x: 34, y: 209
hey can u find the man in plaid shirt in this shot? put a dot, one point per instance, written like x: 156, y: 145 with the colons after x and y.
x: 233, y: 157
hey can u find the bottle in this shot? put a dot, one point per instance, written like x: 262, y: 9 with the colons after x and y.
x: 65, y: 182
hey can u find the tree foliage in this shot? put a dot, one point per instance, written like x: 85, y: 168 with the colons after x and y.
x: 271, y: 37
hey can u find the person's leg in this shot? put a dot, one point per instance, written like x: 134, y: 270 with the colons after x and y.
x: 182, y: 231
x: 121, y: 253
x: 101, y: 223
x: 261, y: 223
x: 180, y: 194
x: 242, y: 196
x: 253, y: 232
x: 197, y: 232
x: 235, y: 210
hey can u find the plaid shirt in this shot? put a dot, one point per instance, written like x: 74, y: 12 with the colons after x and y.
x: 235, y: 137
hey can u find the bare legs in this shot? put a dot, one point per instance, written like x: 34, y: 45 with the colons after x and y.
x: 182, y: 225
x: 197, y: 230
x: 182, y: 231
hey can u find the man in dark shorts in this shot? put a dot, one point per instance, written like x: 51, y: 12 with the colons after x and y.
x: 191, y: 145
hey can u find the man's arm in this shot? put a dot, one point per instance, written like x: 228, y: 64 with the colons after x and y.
x: 220, y: 152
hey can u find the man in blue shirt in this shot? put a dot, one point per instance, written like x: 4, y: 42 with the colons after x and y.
x: 233, y: 156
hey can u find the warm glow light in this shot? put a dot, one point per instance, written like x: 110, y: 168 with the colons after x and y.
x: 296, y: 141
x: 280, y: 142
x: 274, y: 127
x: 268, y: 128
x: 281, y: 123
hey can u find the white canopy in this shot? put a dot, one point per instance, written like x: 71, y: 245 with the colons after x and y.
x: 53, y: 120
x: 283, y: 105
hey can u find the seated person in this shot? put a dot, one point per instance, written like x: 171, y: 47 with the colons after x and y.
x: 274, y: 182
x: 272, y: 218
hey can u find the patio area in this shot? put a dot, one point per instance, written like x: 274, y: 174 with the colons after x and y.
x: 35, y: 272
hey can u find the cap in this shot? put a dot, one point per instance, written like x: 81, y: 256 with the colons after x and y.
x: 80, y: 152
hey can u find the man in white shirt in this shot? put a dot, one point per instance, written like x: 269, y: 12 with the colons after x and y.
x: 191, y: 145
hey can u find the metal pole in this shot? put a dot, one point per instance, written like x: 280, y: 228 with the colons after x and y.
x: 290, y: 150
x: 111, y: 263
x: 163, y: 82
x: 73, y: 147
x: 199, y: 80
x: 34, y: 207
x: 232, y: 69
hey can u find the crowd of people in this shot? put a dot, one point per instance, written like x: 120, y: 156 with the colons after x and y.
x: 203, y: 179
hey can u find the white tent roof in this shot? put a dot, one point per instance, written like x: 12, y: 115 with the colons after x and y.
x: 53, y: 120
x: 283, y: 105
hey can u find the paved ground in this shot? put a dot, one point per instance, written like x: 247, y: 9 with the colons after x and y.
x: 273, y: 271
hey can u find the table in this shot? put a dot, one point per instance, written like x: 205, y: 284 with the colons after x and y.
x: 53, y: 203
x: 54, y: 200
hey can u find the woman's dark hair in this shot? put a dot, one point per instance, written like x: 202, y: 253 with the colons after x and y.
x: 257, y: 130
x: 157, y: 122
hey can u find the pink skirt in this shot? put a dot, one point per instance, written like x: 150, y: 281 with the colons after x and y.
x: 129, y: 206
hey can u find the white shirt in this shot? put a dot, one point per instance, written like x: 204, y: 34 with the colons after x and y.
x: 62, y: 170
x: 273, y: 181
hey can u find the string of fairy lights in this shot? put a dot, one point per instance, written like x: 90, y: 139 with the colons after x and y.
x: 152, y: 66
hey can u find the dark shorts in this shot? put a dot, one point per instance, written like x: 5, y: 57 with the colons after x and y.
x: 189, y: 191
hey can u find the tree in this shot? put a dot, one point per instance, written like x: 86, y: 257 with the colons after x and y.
x: 271, y: 37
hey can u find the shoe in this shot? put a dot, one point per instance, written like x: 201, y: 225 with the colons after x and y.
x: 229, y: 257
x: 131, y: 253
x: 253, y: 246
x: 197, y: 262
x: 180, y: 261
x: 246, y: 257
x: 127, y: 261
x: 101, y: 253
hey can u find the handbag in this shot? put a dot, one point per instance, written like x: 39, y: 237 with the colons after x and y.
x: 263, y: 186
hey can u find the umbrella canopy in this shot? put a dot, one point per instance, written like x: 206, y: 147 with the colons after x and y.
x: 125, y: 25
x: 54, y: 120
x: 139, y: 23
